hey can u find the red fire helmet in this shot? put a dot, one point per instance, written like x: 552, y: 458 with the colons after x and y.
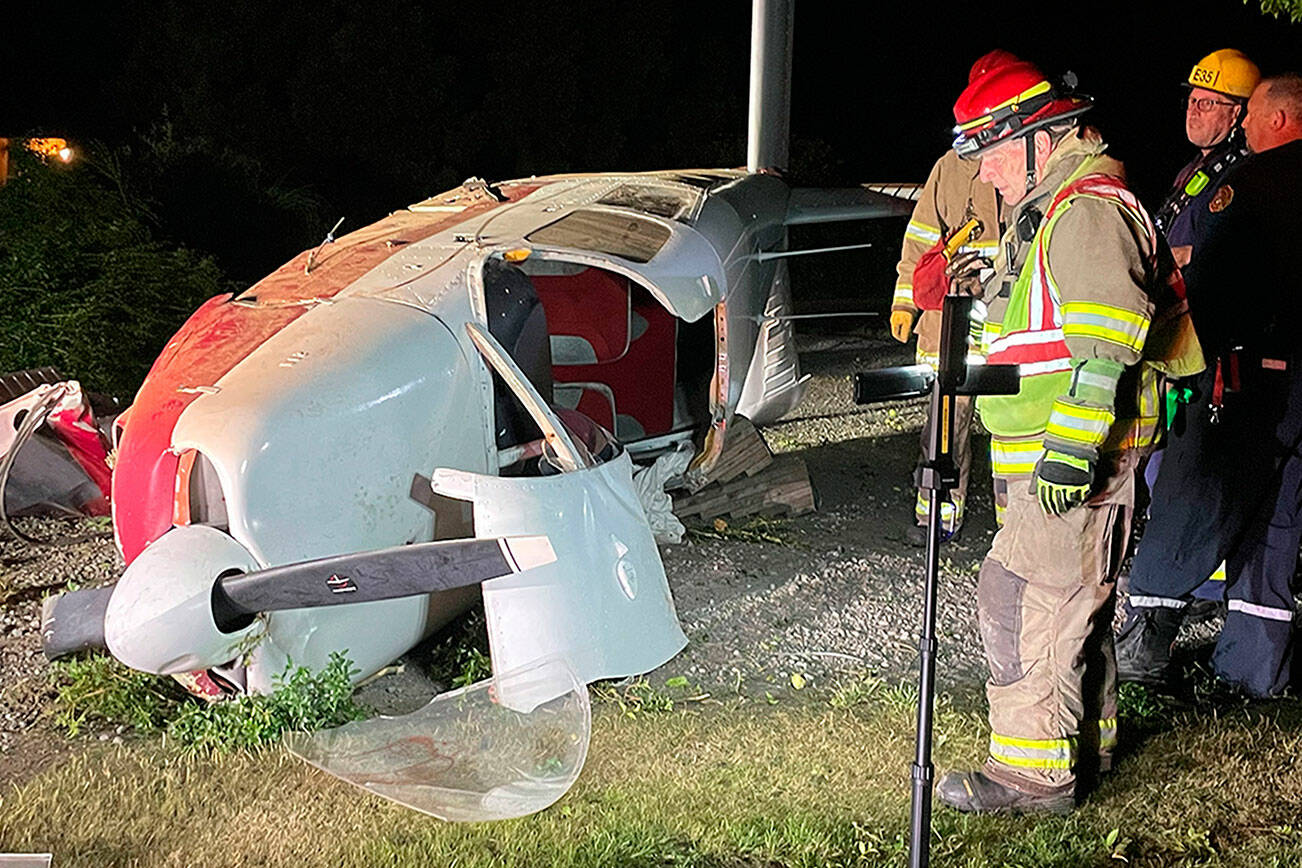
x: 991, y: 60
x: 1011, y: 100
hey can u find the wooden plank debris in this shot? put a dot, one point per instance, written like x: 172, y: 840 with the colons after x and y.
x: 749, y: 480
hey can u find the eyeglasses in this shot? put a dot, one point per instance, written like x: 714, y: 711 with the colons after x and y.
x: 1206, y: 103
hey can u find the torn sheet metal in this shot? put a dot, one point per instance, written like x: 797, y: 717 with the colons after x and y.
x: 61, y: 464
x: 604, y: 607
x: 466, y: 756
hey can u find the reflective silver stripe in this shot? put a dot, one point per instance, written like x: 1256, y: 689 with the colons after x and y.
x: 1098, y: 381
x: 921, y: 232
x: 1257, y: 611
x: 1156, y: 602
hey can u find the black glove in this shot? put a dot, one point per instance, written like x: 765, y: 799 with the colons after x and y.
x: 964, y: 273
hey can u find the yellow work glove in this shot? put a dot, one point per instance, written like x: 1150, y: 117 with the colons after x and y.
x: 901, y: 325
x: 1062, y: 481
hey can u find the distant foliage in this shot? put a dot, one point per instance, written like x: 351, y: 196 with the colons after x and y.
x: 210, y: 197
x: 1279, y: 8
x: 85, y: 285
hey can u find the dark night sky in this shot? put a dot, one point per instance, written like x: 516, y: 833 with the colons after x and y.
x: 374, y: 105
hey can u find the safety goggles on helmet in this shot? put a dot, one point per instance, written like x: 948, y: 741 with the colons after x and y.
x: 1024, y: 110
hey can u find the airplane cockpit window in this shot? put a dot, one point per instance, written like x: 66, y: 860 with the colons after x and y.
x: 623, y: 234
x: 674, y: 203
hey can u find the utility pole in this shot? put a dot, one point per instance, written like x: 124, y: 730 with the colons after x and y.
x: 769, y: 126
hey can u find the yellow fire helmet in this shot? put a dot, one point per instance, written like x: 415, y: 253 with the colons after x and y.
x: 1227, y: 72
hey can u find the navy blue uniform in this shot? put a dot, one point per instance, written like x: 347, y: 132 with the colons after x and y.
x: 1181, y: 219
x: 1233, y: 490
x: 1180, y: 214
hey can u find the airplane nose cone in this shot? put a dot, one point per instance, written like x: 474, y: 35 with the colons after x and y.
x: 160, y: 616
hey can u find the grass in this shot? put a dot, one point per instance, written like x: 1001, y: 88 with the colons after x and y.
x: 820, y: 783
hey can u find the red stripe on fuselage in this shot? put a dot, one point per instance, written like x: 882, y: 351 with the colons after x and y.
x: 216, y: 338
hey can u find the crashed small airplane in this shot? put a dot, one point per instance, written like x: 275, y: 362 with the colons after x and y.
x: 448, y: 404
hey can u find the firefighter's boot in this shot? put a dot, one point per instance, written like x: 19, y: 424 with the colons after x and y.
x: 1144, y: 644
x: 976, y: 793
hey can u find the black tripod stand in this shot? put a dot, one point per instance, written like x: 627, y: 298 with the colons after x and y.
x: 937, y: 475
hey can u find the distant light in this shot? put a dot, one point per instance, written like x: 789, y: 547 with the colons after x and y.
x: 51, y: 148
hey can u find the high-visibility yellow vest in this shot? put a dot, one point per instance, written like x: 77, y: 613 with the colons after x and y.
x: 1036, y: 324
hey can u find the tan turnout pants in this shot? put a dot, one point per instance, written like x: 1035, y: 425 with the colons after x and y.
x: 1045, y: 599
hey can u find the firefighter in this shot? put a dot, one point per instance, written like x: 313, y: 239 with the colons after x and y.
x: 1219, y: 87
x: 1075, y: 286
x: 1236, y: 463
x: 952, y: 196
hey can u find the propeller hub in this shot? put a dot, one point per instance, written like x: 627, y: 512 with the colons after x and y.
x: 160, y: 618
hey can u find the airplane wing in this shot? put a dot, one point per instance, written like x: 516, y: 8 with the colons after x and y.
x: 840, y: 204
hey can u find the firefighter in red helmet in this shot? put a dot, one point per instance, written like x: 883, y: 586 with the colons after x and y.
x: 949, y: 201
x: 1070, y: 297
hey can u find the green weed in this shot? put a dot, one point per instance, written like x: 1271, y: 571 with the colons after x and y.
x: 475, y: 666
x: 301, y: 700
x: 854, y: 691
x: 100, y: 690
x: 1141, y: 707
x: 634, y: 698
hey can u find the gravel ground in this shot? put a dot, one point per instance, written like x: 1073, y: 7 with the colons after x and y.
x: 841, y: 595
x: 825, y: 597
x: 27, y: 575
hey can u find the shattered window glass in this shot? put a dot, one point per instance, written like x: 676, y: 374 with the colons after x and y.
x: 627, y: 236
x: 670, y: 202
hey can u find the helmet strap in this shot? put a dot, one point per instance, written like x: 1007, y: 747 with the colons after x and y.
x: 1030, y: 161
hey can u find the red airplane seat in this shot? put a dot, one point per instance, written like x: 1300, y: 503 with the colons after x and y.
x: 595, y: 400
x: 592, y: 305
x: 642, y: 380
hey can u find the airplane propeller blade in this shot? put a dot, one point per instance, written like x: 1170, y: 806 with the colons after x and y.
x: 74, y: 621
x: 385, y: 574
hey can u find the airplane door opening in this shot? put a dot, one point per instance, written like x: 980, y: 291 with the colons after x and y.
x: 618, y: 356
